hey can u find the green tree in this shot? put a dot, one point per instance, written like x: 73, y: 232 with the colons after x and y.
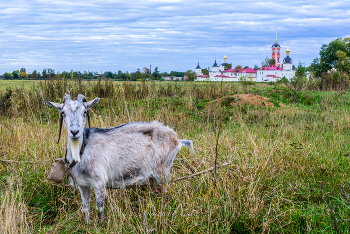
x: 328, y: 53
x: 90, y: 75
x: 156, y: 73
x: 120, y: 75
x: 228, y: 66
x: 246, y: 67
x: 315, y: 67
x: 343, y: 62
x: 300, y: 71
x: 50, y: 73
x: 299, y: 81
x: 127, y: 76
x: 34, y: 75
x: 256, y: 67
x: 15, y: 74
x: 44, y: 73
x: 7, y: 76
x: 138, y: 74
x: 109, y: 74
x: 190, y: 75
x: 206, y: 72
x: 334, y: 55
x: 145, y: 70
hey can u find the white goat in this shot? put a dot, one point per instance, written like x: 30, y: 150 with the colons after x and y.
x: 114, y: 157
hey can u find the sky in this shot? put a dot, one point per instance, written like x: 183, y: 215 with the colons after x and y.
x: 173, y: 35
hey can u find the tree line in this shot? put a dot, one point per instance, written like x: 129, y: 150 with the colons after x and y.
x: 139, y: 74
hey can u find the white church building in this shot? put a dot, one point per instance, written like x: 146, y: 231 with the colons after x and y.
x: 264, y: 74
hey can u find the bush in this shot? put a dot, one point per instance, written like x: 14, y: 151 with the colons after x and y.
x: 334, y: 80
x: 283, y: 80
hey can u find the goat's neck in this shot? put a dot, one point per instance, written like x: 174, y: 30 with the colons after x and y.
x: 73, y: 149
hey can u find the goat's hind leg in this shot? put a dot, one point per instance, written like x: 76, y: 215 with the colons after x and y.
x: 85, y: 197
x: 162, y: 184
x: 100, y: 193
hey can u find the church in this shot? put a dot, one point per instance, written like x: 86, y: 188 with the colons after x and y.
x: 270, y: 73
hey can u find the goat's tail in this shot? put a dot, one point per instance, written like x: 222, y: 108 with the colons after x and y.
x: 188, y: 144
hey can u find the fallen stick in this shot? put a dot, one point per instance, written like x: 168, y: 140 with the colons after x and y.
x: 201, y: 172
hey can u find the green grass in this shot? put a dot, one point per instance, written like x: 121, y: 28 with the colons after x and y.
x: 288, y: 162
x: 4, y: 84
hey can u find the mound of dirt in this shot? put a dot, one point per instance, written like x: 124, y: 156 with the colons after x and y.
x: 241, y: 99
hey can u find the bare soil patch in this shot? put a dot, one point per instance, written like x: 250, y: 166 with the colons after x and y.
x: 241, y: 99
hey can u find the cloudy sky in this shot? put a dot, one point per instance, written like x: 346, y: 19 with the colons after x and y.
x: 111, y: 35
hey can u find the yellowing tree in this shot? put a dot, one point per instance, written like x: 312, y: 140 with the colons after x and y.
x: 23, y: 75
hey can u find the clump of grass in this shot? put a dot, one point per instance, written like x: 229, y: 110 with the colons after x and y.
x: 14, y: 216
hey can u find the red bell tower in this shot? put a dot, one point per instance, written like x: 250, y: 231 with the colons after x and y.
x: 276, y: 49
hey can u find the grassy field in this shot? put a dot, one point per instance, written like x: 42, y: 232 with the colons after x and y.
x: 290, y: 162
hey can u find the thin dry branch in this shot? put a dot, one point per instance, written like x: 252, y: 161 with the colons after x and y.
x: 199, y: 173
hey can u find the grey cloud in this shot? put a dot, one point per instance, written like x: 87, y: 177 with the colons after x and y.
x: 173, y: 35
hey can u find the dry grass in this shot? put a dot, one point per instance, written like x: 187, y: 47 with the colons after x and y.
x: 280, y: 157
x: 13, y: 211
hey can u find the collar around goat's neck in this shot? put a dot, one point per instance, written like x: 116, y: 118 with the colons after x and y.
x: 85, y: 137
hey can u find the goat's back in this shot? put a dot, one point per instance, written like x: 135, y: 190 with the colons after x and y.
x: 139, y: 149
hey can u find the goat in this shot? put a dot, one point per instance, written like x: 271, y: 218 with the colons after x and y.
x: 114, y: 157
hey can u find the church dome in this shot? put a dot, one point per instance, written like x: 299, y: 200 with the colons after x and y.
x: 215, y: 64
x: 276, y: 45
x: 225, y: 57
x: 198, y: 67
x: 287, y: 59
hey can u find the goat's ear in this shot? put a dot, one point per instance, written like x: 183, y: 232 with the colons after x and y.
x: 91, y: 103
x: 57, y: 106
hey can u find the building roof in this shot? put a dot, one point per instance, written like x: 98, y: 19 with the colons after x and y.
x: 230, y: 70
x: 287, y: 59
x: 215, y: 64
x: 273, y: 67
x: 203, y: 76
x: 248, y: 70
x: 198, y: 67
x: 276, y: 45
x: 224, y: 76
x: 234, y: 70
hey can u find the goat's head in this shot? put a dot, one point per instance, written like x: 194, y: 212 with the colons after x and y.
x: 72, y: 114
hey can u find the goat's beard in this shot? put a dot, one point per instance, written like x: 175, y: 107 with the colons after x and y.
x: 75, y: 149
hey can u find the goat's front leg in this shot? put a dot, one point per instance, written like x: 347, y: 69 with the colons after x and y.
x: 100, y: 193
x: 85, y: 197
